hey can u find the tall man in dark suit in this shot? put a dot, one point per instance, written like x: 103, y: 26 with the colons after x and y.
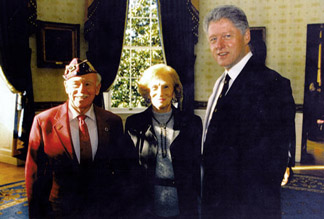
x: 72, y: 162
x: 247, y: 126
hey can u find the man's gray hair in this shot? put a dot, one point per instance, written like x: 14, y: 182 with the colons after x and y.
x: 230, y: 12
x: 98, y: 79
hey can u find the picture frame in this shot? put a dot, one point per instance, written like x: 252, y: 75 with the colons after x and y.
x: 258, y: 33
x: 57, y: 44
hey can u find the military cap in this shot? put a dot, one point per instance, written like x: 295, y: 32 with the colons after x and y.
x: 78, y: 67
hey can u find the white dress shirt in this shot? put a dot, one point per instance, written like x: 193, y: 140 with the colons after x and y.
x: 92, y: 128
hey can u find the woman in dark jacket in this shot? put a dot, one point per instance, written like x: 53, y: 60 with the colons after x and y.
x: 166, y: 142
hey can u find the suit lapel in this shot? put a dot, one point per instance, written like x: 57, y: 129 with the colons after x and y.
x: 62, y: 128
x: 242, y: 81
x: 211, y: 101
x: 104, y: 130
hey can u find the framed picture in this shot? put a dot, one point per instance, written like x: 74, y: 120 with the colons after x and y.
x: 258, y: 43
x: 258, y: 33
x: 57, y: 44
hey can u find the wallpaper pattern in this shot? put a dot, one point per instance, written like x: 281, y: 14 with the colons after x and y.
x: 286, y: 25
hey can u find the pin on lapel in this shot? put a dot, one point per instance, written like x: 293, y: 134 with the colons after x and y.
x: 106, y: 129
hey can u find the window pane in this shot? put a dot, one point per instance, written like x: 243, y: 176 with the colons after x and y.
x: 139, y: 8
x: 140, y: 61
x: 156, y: 41
x: 120, y: 93
x: 157, y: 57
x: 154, y: 12
x: 129, y: 34
x: 124, y: 65
x: 140, y: 28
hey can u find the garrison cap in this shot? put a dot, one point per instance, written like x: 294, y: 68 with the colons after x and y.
x: 78, y: 67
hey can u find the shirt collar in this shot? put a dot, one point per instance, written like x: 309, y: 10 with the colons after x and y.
x: 236, y: 69
x: 73, y: 113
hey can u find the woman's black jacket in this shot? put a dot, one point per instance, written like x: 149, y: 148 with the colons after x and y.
x: 185, y: 153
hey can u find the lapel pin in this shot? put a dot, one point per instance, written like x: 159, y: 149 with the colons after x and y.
x: 106, y: 129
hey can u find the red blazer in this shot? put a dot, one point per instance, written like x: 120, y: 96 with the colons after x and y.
x: 54, y: 182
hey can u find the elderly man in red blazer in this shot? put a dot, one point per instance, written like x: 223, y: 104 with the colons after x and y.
x: 64, y: 178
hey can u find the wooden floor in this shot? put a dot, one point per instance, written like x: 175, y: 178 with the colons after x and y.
x: 10, y: 173
x: 315, y: 151
x: 313, y: 163
x: 314, y: 166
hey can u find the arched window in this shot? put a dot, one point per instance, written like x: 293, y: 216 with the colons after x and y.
x: 142, y: 47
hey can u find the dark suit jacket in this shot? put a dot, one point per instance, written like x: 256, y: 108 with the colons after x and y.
x: 185, y: 152
x: 245, y: 151
x: 54, y: 180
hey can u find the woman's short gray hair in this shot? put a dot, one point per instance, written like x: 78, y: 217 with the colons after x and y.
x: 230, y: 12
x: 154, y: 72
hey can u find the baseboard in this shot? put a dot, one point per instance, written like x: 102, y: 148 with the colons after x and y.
x: 11, y: 160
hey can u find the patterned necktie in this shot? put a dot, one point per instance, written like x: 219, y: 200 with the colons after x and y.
x: 85, y: 144
x: 224, y: 90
